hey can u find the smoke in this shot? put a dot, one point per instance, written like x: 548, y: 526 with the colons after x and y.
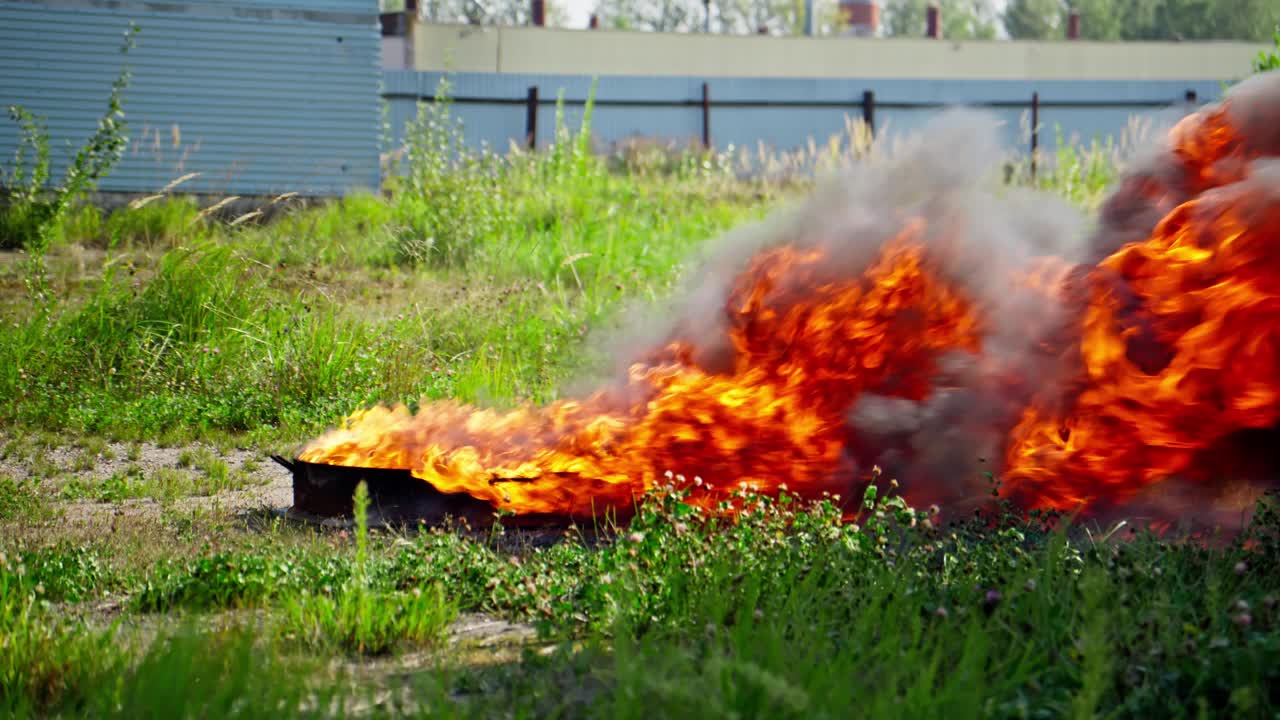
x: 1163, y: 176
x: 982, y: 234
x: 1021, y: 257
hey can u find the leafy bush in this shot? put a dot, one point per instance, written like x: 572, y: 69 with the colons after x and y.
x: 368, y: 622
x: 18, y: 498
x: 451, y: 198
x: 64, y: 572
x: 1267, y: 61
x: 238, y: 579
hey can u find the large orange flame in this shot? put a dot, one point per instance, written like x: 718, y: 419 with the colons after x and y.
x: 1171, y: 349
x: 775, y: 419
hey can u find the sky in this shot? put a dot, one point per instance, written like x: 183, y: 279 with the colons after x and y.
x: 579, y: 11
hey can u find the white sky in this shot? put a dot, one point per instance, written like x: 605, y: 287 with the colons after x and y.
x: 579, y: 11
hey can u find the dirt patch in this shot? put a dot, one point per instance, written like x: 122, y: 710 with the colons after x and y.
x: 91, y: 481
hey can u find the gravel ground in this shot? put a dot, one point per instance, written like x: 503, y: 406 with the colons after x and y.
x: 76, y: 477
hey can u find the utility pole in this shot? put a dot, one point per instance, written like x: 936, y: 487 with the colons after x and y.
x: 808, y: 18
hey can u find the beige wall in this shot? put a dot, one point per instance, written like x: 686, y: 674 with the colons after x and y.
x: 463, y: 48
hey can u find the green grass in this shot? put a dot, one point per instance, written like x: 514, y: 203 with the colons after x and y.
x: 787, y: 613
x: 484, y: 280
x: 162, y: 484
x: 361, y: 620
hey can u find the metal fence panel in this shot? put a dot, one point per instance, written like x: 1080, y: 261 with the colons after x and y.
x: 259, y: 96
x: 786, y: 114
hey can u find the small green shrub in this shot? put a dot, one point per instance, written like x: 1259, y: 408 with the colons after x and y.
x: 33, y: 210
x: 19, y: 498
x: 238, y: 579
x: 1267, y: 61
x: 362, y: 620
x: 64, y: 572
x: 368, y: 622
x: 451, y: 199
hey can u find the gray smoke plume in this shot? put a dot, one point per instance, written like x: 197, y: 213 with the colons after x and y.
x: 983, y: 233
x: 1156, y: 182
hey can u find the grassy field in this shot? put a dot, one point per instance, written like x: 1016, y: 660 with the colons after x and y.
x: 142, y: 572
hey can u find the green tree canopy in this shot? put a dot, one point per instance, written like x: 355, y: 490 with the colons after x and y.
x: 1144, y: 19
x: 1033, y: 19
x: 961, y: 19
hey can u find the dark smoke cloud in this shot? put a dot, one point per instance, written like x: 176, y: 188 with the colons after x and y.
x: 1156, y: 181
x: 983, y: 234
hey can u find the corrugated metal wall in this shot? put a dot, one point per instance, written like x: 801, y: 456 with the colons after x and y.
x: 260, y: 96
x: 749, y: 111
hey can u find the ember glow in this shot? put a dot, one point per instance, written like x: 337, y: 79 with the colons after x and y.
x: 909, y: 320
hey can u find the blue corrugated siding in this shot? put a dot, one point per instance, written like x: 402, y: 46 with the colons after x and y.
x: 260, y: 96
x: 788, y: 128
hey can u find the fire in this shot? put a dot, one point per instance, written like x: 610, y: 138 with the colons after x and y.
x: 1166, y: 352
x: 774, y: 419
x: 1178, y: 353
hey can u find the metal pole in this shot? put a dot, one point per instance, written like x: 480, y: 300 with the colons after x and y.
x: 932, y: 22
x: 531, y: 118
x: 706, y: 16
x: 808, y: 18
x: 869, y: 110
x: 1035, y: 132
x: 706, y: 116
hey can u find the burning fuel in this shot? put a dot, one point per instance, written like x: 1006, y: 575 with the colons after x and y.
x: 909, y: 318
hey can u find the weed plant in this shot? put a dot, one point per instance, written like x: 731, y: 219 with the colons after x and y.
x: 361, y: 619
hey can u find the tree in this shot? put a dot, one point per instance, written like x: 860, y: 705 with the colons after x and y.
x: 1197, y: 19
x: 1243, y: 19
x: 1099, y: 19
x: 1033, y: 19
x: 731, y: 17
x: 740, y: 17
x: 653, y: 15
x: 483, y: 12
x: 961, y: 19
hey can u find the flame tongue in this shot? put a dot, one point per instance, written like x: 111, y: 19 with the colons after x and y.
x: 1166, y: 353
x: 1207, y: 291
x: 803, y: 354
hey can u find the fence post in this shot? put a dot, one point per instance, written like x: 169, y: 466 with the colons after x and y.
x: 531, y: 118
x: 706, y: 116
x: 869, y: 110
x: 1035, y: 132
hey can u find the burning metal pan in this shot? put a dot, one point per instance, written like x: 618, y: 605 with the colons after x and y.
x: 325, y: 493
